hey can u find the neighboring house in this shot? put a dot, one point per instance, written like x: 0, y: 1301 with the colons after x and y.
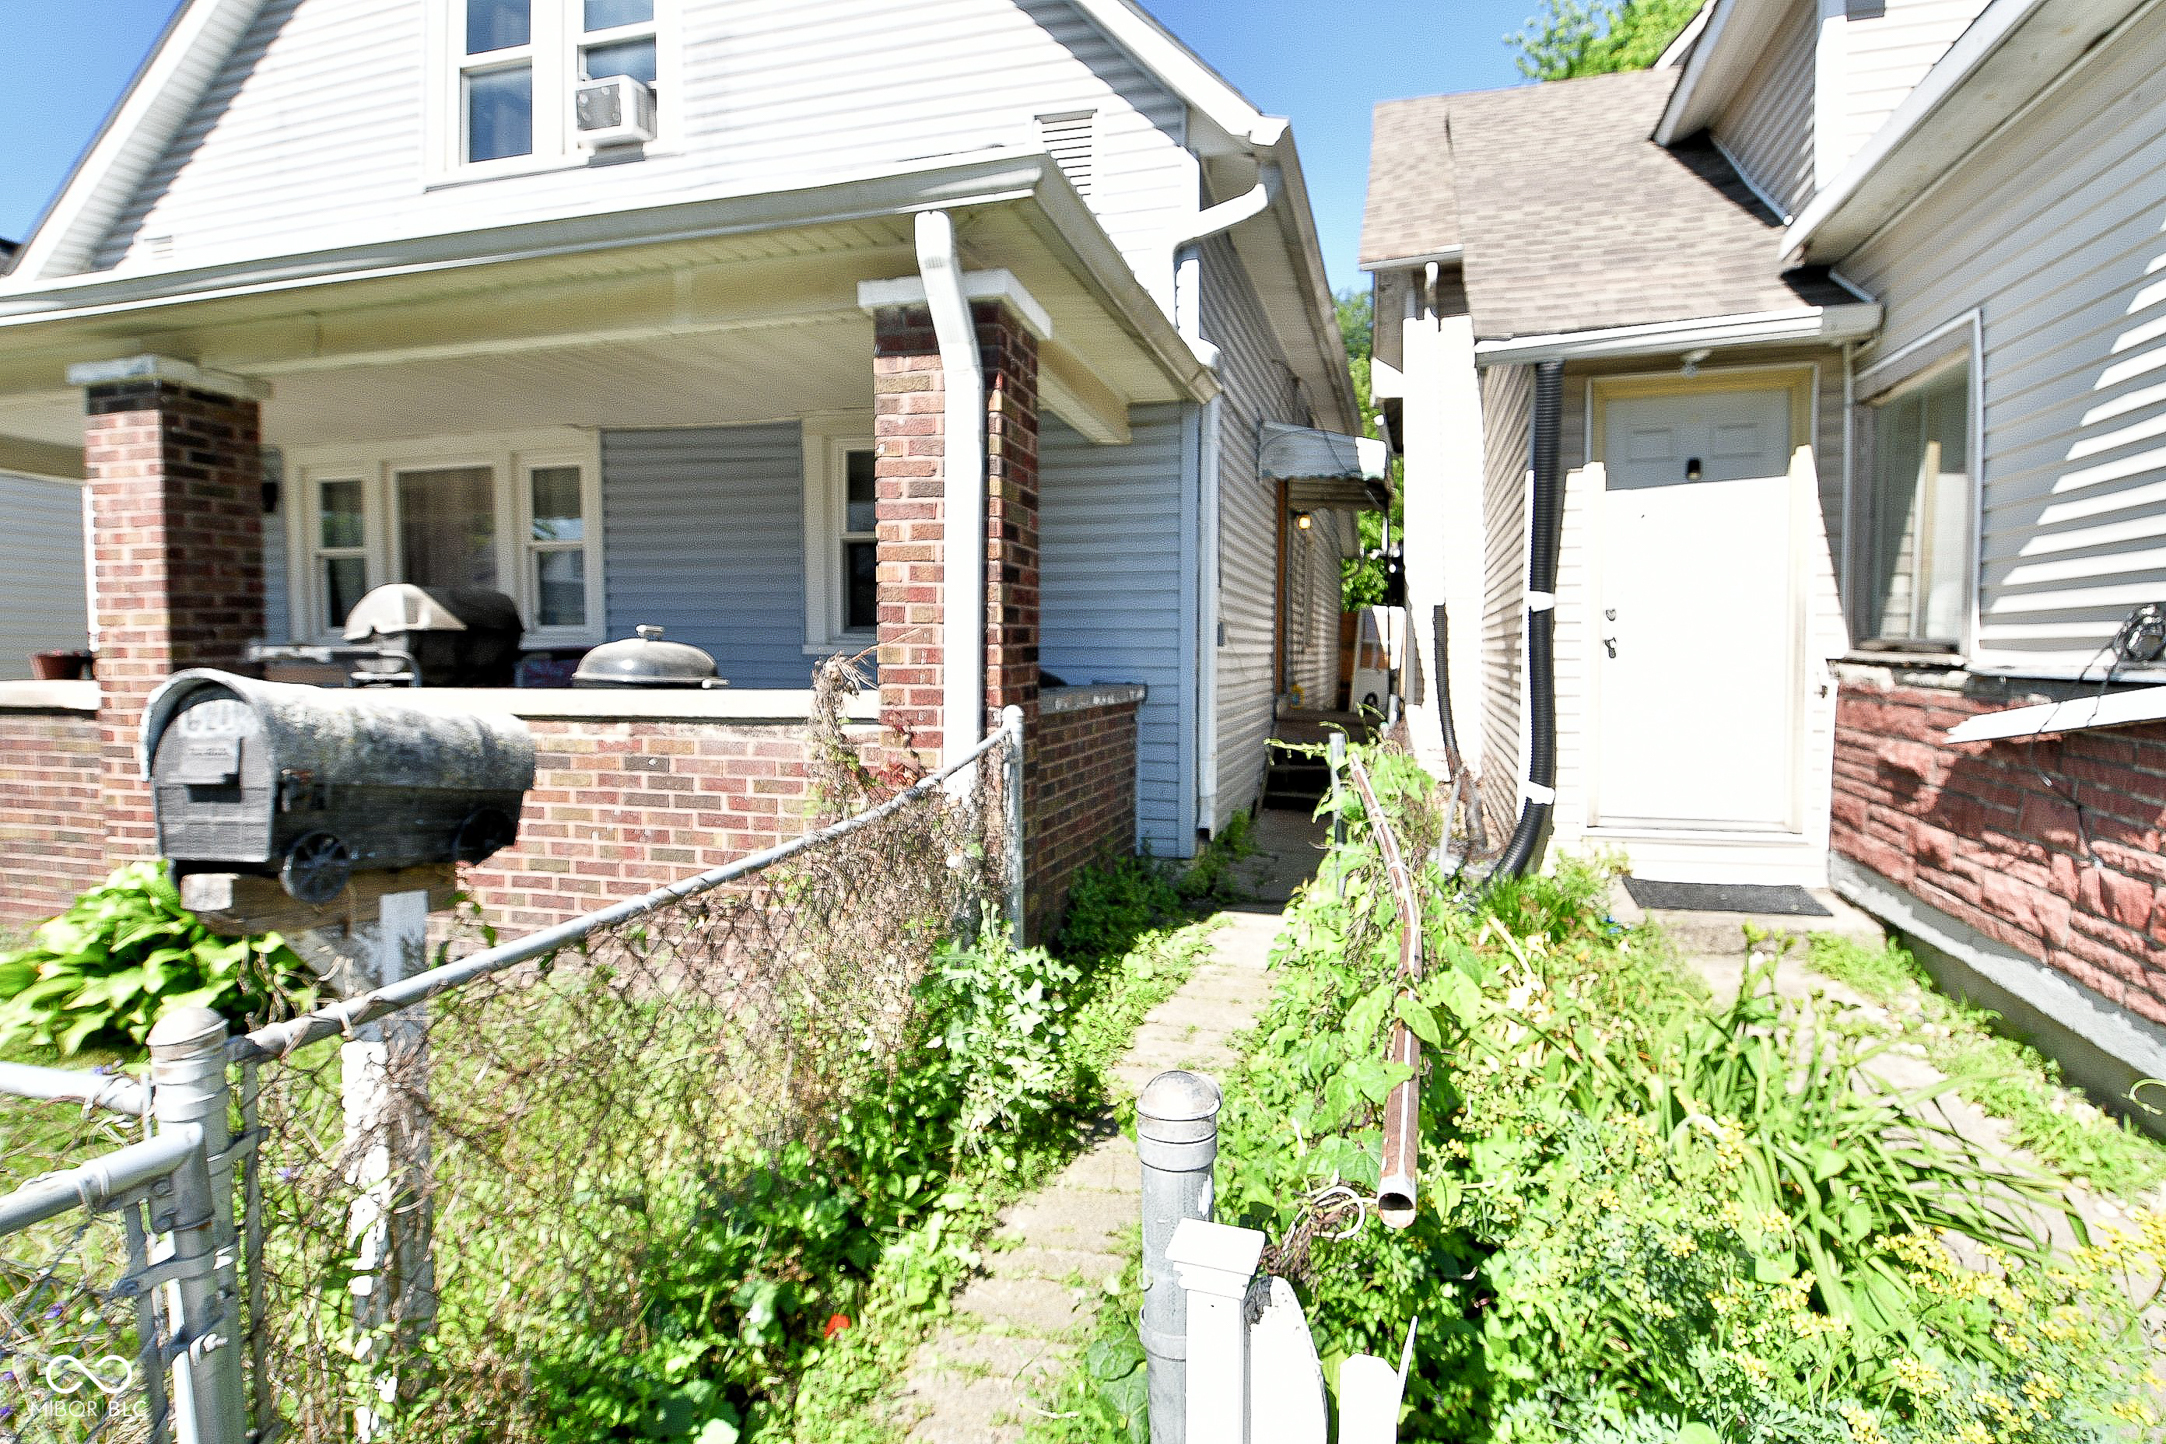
x: 681, y: 370
x: 1858, y: 313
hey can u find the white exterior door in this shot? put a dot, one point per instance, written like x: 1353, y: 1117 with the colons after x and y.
x: 1697, y: 626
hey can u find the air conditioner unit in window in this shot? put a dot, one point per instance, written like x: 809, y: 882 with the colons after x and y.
x: 615, y: 110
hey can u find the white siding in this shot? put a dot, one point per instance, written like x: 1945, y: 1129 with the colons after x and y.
x: 1886, y: 55
x: 1259, y: 387
x: 1768, y: 128
x: 313, y: 134
x: 703, y: 534
x: 2053, y: 235
x: 1507, y: 425
x: 1312, y: 611
x: 44, y: 605
x: 1115, y: 596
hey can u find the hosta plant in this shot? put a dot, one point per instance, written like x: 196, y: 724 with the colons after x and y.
x: 126, y: 951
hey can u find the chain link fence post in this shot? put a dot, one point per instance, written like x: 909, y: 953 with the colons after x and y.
x: 188, y: 1090
x: 1336, y: 751
x: 1177, y: 1142
x: 1011, y: 723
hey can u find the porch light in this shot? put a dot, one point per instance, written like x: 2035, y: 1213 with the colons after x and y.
x: 1303, y: 521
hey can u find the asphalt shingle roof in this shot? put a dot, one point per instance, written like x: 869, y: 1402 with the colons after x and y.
x: 1572, y: 219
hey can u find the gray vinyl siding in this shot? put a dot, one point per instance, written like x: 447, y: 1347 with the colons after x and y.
x: 2052, y: 236
x: 1768, y: 129
x: 312, y: 134
x: 703, y: 534
x: 44, y: 604
x: 1312, y: 612
x: 1258, y: 387
x: 1507, y: 422
x: 1886, y: 55
x: 1116, y: 596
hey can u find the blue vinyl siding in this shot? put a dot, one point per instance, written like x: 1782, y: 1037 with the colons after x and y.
x: 44, y: 603
x: 1117, y: 597
x: 703, y: 534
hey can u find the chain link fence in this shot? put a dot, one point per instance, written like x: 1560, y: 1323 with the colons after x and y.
x: 469, y: 1194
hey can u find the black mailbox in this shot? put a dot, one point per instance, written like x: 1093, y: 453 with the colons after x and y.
x: 313, y: 785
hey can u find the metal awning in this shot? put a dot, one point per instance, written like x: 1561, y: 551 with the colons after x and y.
x: 1324, y: 470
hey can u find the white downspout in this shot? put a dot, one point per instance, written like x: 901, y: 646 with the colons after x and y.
x: 962, y: 469
x: 1227, y: 214
x: 1207, y: 621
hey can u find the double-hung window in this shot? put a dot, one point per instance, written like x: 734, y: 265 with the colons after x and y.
x: 518, y: 515
x: 842, y: 552
x: 1913, y: 555
x: 514, y: 66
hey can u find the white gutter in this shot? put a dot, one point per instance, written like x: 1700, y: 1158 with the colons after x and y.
x: 2115, y: 709
x: 962, y: 470
x: 1207, y: 619
x: 1227, y: 214
x: 1828, y: 325
x: 1439, y: 256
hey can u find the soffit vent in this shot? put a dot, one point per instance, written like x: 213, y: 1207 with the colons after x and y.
x: 1070, y: 138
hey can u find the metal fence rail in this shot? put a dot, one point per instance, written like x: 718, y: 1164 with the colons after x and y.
x: 460, y: 1191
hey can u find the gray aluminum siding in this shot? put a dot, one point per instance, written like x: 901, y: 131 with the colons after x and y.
x: 43, y: 602
x: 1117, y: 595
x: 703, y: 534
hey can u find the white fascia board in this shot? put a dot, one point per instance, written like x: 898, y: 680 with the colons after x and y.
x: 994, y: 285
x: 1298, y: 226
x: 1183, y: 71
x: 1676, y: 52
x: 1441, y: 256
x: 986, y: 178
x: 1714, y: 69
x: 1825, y: 325
x: 2116, y: 709
x: 2013, y: 50
x: 179, y: 69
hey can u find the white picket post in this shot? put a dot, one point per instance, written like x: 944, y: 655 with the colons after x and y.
x: 1215, y: 1262
x: 1369, y: 1393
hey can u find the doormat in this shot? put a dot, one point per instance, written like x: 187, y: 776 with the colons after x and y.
x: 1726, y: 897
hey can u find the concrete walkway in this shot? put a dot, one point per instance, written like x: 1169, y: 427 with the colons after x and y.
x: 1019, y: 1323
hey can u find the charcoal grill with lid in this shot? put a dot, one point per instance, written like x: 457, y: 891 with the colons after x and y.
x: 435, y: 636
x: 646, y: 661
x: 312, y: 785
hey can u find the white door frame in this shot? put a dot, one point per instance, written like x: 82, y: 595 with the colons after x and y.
x: 1801, y: 381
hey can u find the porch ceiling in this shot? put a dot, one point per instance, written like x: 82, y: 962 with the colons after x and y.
x: 722, y: 329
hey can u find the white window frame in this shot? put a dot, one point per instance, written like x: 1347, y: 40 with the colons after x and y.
x: 510, y: 458
x: 555, y: 40
x: 1875, y: 382
x: 828, y: 440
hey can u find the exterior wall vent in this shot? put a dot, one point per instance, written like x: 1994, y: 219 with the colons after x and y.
x: 1070, y: 138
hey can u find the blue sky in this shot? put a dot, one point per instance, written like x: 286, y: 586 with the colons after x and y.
x: 1322, y: 64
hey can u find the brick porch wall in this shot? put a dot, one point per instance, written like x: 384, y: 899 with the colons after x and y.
x: 52, y: 830
x: 622, y: 807
x: 1081, y: 805
x: 2050, y: 846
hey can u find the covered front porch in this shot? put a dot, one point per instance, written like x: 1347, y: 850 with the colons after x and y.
x: 744, y: 421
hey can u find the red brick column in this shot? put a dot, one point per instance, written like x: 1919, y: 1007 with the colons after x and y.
x: 909, y: 401
x: 176, y: 514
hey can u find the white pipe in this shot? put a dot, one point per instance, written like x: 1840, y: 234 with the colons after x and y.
x: 1227, y: 214
x: 1207, y: 622
x: 962, y: 469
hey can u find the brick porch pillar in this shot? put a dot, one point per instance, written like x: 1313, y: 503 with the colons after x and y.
x: 908, y: 421
x: 173, y: 461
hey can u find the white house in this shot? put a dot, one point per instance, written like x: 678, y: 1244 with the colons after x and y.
x: 594, y: 300
x: 1855, y: 315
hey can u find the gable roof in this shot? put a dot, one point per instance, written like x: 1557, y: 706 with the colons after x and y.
x: 1570, y: 217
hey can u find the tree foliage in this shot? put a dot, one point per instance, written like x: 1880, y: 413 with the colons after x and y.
x: 1571, y: 38
x: 1361, y: 579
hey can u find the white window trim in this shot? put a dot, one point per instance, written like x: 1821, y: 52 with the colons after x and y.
x: 828, y: 437
x: 510, y: 458
x: 1877, y: 381
x: 553, y: 47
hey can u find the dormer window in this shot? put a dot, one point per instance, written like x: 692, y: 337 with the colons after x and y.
x: 516, y: 66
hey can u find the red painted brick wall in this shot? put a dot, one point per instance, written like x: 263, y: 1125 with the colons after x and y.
x: 52, y: 833
x: 1081, y: 806
x: 175, y: 481
x: 2050, y: 846
x: 622, y: 807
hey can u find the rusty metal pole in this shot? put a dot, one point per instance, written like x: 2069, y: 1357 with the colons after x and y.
x: 1402, y: 1107
x: 1177, y: 1141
